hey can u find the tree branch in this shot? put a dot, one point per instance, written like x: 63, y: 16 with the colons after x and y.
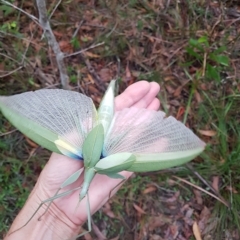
x: 44, y: 22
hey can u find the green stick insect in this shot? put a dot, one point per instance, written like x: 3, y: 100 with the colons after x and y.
x: 66, y: 122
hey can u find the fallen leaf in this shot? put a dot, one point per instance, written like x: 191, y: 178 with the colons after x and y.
x: 65, y: 46
x: 215, y: 183
x: 99, y: 234
x: 156, y: 237
x: 180, y: 112
x: 139, y: 209
x: 174, y: 198
x: 174, y: 103
x: 231, y: 189
x: 31, y: 143
x: 178, y: 91
x: 169, y: 89
x: 204, y: 87
x: 209, y: 133
x: 157, y: 221
x: 198, y: 96
x: 198, y: 195
x: 149, y: 190
x: 2, y: 67
x: 115, y: 238
x: 128, y: 74
x: 105, y: 74
x: 204, y: 218
x: 90, y: 78
x: 169, y: 78
x: 91, y: 55
x: 108, y: 211
x: 196, y: 231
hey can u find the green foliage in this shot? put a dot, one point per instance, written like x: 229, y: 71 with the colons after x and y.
x: 75, y: 43
x: 6, y: 10
x: 12, y: 195
x: 222, y: 157
x: 73, y: 79
x: 11, y: 27
x: 208, y: 58
x: 151, y: 76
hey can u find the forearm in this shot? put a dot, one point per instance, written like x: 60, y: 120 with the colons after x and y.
x: 53, y: 225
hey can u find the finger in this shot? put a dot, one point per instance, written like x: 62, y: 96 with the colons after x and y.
x: 154, y: 105
x: 132, y: 95
x: 147, y: 100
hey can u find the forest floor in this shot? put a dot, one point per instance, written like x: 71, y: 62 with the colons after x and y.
x: 192, y: 49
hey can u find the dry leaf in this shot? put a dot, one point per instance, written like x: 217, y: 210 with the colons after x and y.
x: 169, y: 89
x: 158, y: 221
x: 169, y: 78
x: 198, y: 195
x: 215, y: 183
x: 139, y: 209
x: 198, y: 96
x: 174, y: 198
x: 31, y: 143
x: 204, y: 87
x: 149, y: 190
x: 204, y: 218
x: 196, y: 231
x: 232, y: 189
x: 155, y: 237
x: 105, y: 74
x: 65, y: 46
x: 108, y: 211
x: 180, y: 112
x: 115, y: 238
x: 91, y: 55
x: 209, y: 133
x: 90, y: 78
x: 128, y: 74
x: 178, y: 91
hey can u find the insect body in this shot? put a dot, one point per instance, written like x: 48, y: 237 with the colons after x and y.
x: 108, y: 142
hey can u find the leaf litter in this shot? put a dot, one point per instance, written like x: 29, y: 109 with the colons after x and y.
x: 150, y: 40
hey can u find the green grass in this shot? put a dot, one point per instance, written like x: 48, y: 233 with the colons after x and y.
x: 18, y: 173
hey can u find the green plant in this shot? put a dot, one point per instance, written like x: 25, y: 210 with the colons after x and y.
x: 208, y: 58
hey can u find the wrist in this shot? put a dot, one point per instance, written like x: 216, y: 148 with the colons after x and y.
x: 53, y: 225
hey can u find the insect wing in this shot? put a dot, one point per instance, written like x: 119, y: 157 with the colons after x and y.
x: 157, y: 141
x: 106, y: 108
x: 58, y: 120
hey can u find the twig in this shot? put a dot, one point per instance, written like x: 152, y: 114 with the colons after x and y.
x: 6, y: 56
x: 52, y: 86
x: 4, y: 134
x: 11, y: 72
x: 203, y: 190
x: 53, y: 11
x: 84, y: 50
x: 43, y: 20
x: 77, y: 29
x: 98, y: 80
x: 189, y: 166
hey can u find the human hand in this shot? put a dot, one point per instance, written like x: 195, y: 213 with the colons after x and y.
x: 59, y: 168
